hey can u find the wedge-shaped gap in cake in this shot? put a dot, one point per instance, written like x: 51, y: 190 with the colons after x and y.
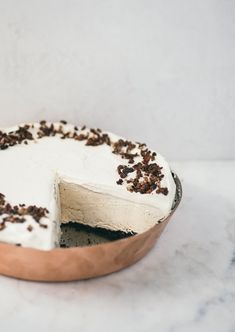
x: 90, y: 217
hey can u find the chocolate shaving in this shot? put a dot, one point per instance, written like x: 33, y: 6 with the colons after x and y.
x: 43, y: 225
x: 97, y: 138
x: 2, y: 226
x: 30, y: 228
x: 124, y: 170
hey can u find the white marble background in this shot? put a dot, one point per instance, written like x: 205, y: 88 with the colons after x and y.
x: 185, y: 284
x: 160, y: 71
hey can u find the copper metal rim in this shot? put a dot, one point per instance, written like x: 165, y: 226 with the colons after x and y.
x: 67, y: 264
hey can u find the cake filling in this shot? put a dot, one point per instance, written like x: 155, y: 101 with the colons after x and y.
x: 103, y: 210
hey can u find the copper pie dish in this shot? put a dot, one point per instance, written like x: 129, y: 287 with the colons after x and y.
x: 67, y: 264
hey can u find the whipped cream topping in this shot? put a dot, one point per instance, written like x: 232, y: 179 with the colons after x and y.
x: 35, y: 160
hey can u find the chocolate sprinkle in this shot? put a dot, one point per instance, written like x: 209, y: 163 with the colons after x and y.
x: 30, y: 228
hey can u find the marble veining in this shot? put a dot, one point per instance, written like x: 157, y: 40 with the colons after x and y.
x: 185, y: 284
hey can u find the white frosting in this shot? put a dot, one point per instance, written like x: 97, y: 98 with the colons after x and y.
x: 30, y: 175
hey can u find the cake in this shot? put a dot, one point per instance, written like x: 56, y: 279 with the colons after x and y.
x: 53, y: 173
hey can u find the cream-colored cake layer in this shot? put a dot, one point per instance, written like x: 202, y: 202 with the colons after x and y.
x: 104, y: 210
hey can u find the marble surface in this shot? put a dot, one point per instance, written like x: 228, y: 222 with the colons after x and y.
x: 187, y: 282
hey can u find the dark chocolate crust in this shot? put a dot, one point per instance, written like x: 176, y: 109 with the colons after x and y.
x: 75, y: 234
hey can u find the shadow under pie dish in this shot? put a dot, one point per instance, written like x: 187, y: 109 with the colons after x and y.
x: 60, y: 173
